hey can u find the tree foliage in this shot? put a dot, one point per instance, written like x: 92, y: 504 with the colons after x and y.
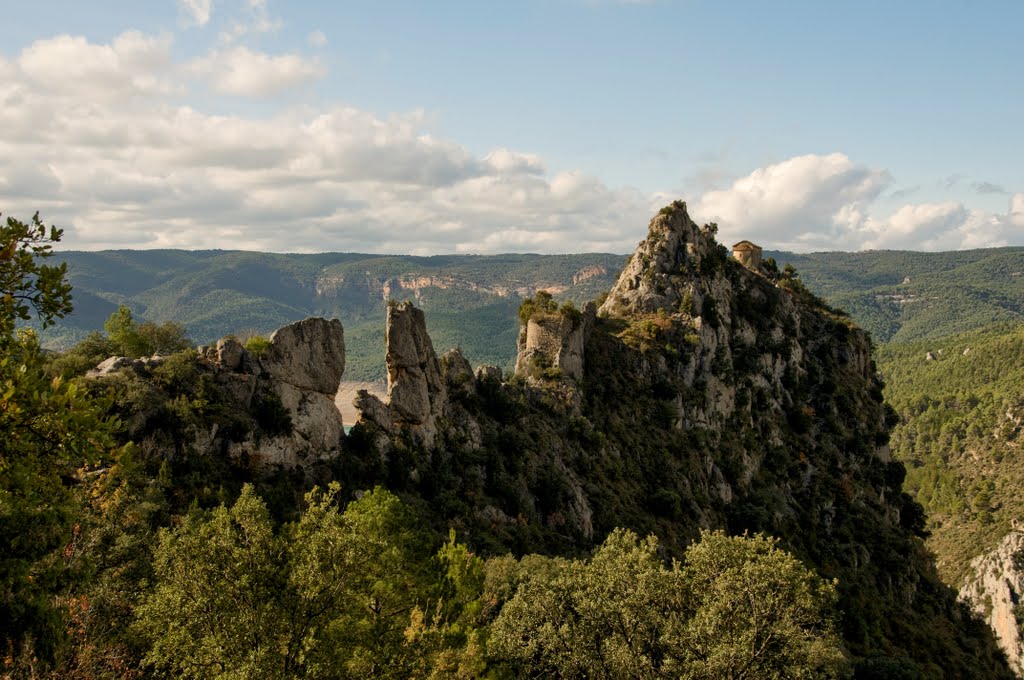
x: 131, y: 339
x: 328, y: 596
x: 735, y: 608
x: 28, y: 287
x: 48, y: 429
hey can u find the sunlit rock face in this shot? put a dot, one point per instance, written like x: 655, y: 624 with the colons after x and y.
x: 995, y: 591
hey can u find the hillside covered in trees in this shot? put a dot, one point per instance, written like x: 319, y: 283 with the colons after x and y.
x: 472, y: 300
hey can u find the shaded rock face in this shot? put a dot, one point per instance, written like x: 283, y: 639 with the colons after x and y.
x: 995, y: 591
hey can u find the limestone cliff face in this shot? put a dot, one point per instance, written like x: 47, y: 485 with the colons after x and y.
x: 994, y: 592
x: 373, y: 289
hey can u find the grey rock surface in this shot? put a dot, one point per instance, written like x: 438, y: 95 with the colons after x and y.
x: 309, y: 354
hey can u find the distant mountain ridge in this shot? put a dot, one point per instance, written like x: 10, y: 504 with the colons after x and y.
x: 472, y: 299
x: 904, y: 296
x: 898, y: 296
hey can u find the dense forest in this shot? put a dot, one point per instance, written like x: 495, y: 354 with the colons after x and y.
x: 960, y: 399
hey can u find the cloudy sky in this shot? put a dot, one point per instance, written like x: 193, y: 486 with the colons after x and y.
x: 513, y: 125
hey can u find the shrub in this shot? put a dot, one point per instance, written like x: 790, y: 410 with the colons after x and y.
x: 257, y: 346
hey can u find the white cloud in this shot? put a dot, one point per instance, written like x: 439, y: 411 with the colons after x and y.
x: 132, y: 64
x: 241, y: 71
x: 142, y: 172
x: 105, y: 153
x: 198, y: 11
x: 317, y: 39
x: 792, y: 203
x: 829, y: 203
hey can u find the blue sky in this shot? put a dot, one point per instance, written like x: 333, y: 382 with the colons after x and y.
x: 538, y: 125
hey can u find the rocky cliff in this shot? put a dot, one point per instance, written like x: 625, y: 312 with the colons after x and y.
x: 701, y: 394
x: 994, y: 592
x: 267, y: 412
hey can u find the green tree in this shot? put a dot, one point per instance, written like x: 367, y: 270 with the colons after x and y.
x: 130, y: 339
x: 599, y: 619
x: 48, y: 429
x: 757, y: 613
x: 124, y: 335
x: 328, y: 596
x: 737, y: 608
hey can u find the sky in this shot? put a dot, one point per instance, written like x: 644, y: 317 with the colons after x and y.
x: 512, y: 125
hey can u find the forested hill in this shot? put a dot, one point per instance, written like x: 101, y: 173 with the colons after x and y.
x: 903, y: 296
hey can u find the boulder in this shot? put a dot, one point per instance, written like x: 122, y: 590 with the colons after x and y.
x: 230, y: 352
x: 110, y: 365
x: 309, y: 354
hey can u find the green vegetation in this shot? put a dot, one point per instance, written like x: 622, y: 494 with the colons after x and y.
x: 257, y: 345
x: 959, y: 435
x: 49, y: 429
x: 133, y: 551
x: 734, y: 608
x: 903, y: 296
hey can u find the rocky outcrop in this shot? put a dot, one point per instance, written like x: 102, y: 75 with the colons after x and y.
x: 309, y: 355
x: 655, y: 276
x: 281, y: 403
x: 552, y: 344
x: 417, y: 391
x: 994, y: 592
x: 302, y: 369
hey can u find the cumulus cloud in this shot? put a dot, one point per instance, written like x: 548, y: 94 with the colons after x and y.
x: 241, y: 71
x: 828, y: 202
x: 146, y: 172
x: 792, y: 203
x: 132, y: 64
x: 197, y: 11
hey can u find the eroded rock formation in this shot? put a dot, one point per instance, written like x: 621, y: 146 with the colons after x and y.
x: 280, y: 406
x: 556, y: 342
